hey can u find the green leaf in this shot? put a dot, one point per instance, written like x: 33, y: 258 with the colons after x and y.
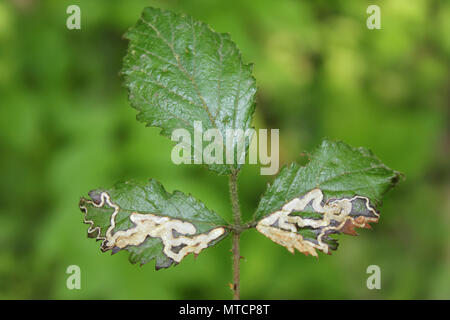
x: 151, y: 223
x: 339, y: 189
x: 178, y: 71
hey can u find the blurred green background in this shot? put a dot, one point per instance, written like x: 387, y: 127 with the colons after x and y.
x: 66, y: 128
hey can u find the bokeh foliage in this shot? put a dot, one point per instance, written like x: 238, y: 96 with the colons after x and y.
x: 66, y: 127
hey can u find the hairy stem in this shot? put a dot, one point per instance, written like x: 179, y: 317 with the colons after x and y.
x: 236, y: 234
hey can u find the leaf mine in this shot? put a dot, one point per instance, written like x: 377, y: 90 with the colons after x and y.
x: 338, y: 190
x: 337, y: 216
x: 150, y: 235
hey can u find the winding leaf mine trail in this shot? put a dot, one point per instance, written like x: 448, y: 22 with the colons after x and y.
x: 178, y: 237
x: 338, y: 215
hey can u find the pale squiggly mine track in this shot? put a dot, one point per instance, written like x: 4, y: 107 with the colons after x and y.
x: 178, y: 237
x: 282, y: 228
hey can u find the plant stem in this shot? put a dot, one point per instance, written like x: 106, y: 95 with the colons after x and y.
x: 236, y: 234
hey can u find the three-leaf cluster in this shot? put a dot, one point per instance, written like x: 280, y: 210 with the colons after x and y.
x: 179, y: 71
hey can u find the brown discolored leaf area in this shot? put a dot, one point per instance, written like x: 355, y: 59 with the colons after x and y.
x: 335, y: 193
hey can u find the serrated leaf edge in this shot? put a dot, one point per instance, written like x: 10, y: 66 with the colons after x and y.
x: 174, y: 233
x: 365, y: 151
x: 227, y: 169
